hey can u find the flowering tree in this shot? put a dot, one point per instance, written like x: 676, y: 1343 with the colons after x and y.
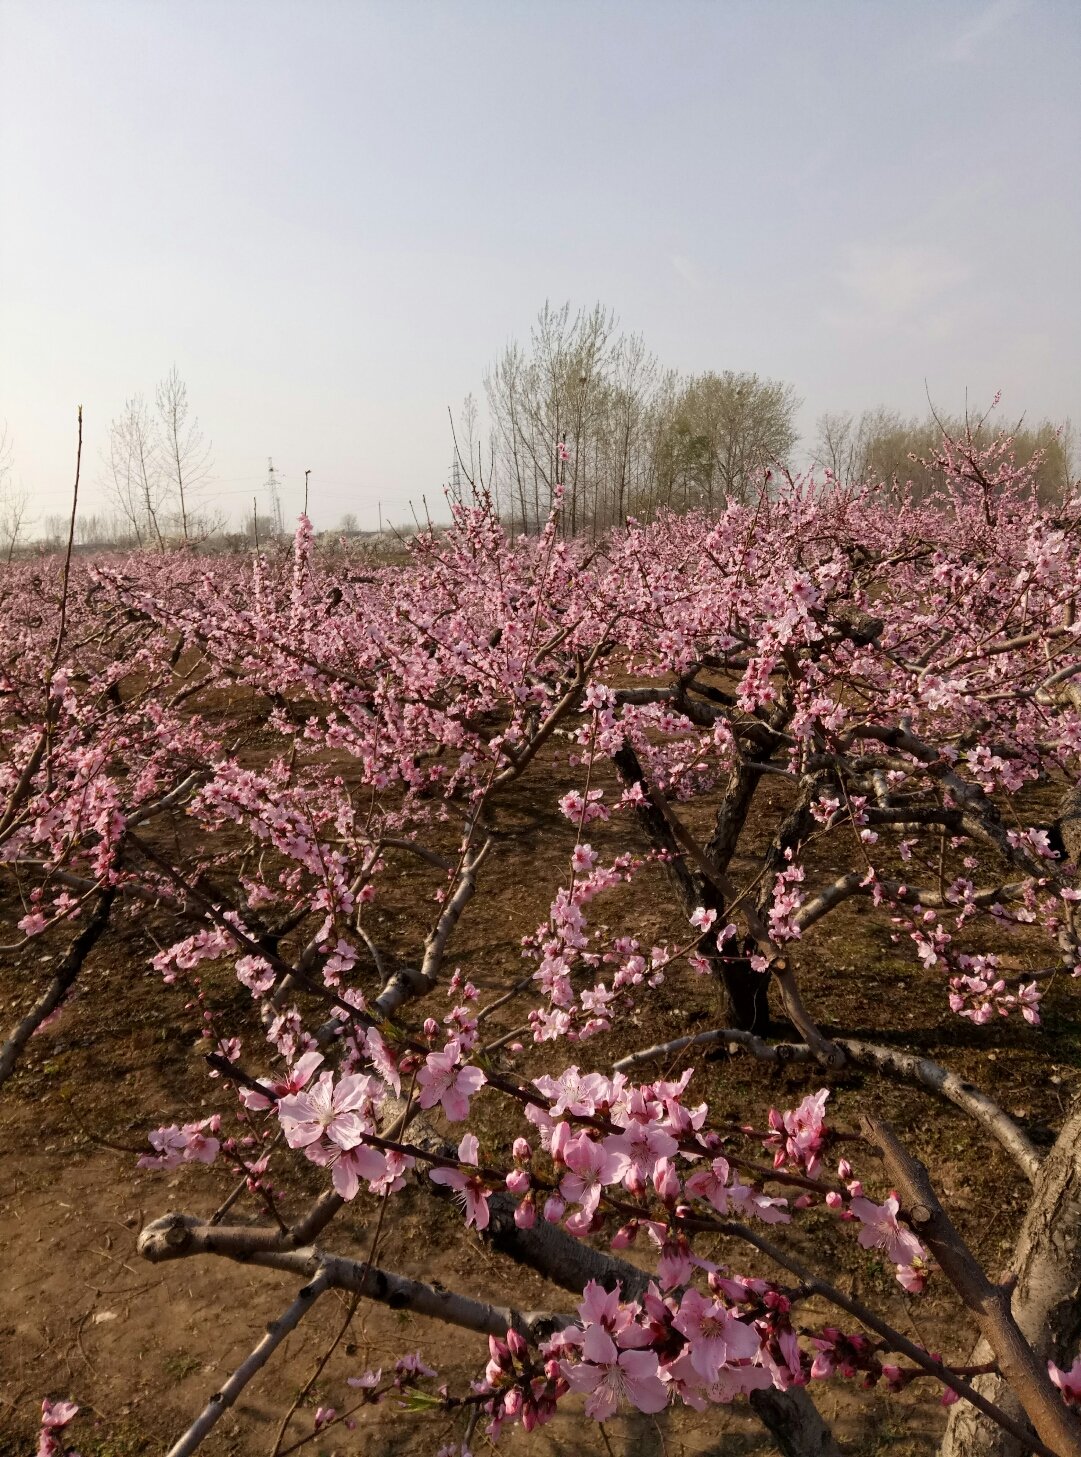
x: 255, y: 749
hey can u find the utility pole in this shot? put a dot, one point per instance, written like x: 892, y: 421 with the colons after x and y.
x: 307, y: 473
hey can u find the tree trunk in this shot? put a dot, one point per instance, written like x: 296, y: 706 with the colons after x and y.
x: 794, y: 1422
x: 746, y: 990
x: 1047, y: 1300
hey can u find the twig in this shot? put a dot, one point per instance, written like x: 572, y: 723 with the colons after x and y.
x: 320, y: 1365
x: 67, y: 970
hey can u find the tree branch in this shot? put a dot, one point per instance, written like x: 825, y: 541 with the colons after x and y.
x: 68, y: 968
x: 904, y: 1066
x: 222, y: 1400
x: 177, y: 1236
x: 1021, y: 1368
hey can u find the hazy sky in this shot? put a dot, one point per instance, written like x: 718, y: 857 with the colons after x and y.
x: 331, y: 216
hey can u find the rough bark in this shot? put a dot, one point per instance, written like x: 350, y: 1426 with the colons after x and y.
x: 1047, y: 1298
x: 1069, y: 823
x: 794, y: 1422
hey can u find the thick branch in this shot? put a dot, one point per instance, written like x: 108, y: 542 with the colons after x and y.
x: 1021, y: 1368
x: 463, y: 893
x: 177, y: 1236
x: 406, y: 984
x: 1046, y: 1263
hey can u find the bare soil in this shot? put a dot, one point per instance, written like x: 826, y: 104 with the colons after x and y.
x: 141, y: 1348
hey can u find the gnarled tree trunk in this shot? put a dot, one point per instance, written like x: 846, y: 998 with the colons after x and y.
x: 1047, y: 1300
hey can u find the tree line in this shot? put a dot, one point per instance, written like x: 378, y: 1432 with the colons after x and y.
x: 584, y: 406
x: 580, y: 405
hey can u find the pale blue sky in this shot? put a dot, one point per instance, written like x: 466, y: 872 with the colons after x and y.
x: 331, y: 216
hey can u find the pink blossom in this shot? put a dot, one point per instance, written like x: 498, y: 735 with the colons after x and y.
x: 472, y: 1193
x: 1068, y: 1382
x: 716, y: 1337
x: 609, y: 1376
x: 591, y: 1166
x: 186, y: 1144
x: 326, y: 1110
x: 55, y: 1415
x: 881, y: 1230
x: 441, y: 1080
x: 298, y: 1077
x: 642, y: 1145
x: 348, y: 1166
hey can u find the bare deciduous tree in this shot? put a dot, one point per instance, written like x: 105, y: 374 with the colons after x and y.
x: 156, y: 464
x: 13, y: 500
x: 184, y: 451
x: 133, y: 472
x: 590, y: 409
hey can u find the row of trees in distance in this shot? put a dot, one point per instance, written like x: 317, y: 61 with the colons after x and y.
x: 581, y: 405
x: 587, y: 407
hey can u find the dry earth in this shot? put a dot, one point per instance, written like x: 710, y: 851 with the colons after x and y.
x: 140, y: 1348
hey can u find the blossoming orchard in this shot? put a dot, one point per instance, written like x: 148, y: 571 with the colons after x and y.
x: 711, y: 740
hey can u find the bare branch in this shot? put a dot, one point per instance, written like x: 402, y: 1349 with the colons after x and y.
x: 1022, y: 1369
x: 176, y: 1236
x: 222, y: 1400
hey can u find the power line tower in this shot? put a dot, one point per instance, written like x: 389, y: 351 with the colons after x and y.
x: 455, y: 481
x: 272, y: 480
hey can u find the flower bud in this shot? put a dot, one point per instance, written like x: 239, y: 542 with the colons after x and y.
x: 554, y: 1209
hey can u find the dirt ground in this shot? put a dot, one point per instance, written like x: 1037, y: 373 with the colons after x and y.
x: 141, y: 1348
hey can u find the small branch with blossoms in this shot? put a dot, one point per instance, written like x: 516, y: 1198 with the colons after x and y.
x: 596, y: 1161
x: 922, y: 1071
